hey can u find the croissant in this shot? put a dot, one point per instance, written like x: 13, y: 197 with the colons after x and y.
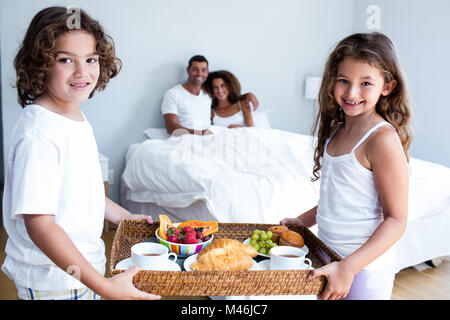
x: 222, y: 259
x: 231, y: 244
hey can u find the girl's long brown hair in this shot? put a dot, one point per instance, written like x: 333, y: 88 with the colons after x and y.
x: 36, y: 58
x: 377, y: 50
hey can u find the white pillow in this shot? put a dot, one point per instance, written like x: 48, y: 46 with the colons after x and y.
x: 157, y: 133
x: 261, y: 119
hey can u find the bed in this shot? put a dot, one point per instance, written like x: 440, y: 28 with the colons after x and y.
x: 262, y: 175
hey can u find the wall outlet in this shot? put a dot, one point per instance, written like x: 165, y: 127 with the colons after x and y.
x: 110, y: 176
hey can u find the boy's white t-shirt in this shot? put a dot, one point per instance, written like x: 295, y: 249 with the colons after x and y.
x: 52, y: 168
x: 194, y: 112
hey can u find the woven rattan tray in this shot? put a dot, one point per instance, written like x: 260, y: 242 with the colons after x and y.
x: 220, y: 283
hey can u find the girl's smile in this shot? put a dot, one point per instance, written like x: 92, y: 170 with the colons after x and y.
x: 350, y: 103
x: 358, y: 87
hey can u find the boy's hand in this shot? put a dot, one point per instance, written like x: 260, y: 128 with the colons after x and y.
x: 141, y: 217
x: 123, y: 288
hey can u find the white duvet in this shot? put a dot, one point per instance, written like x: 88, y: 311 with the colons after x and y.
x: 253, y: 175
x: 242, y: 175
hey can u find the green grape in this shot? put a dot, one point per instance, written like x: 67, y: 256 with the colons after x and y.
x: 256, y: 246
x: 256, y: 236
x: 262, y: 250
x: 264, y: 235
x: 253, y: 242
x: 269, y: 234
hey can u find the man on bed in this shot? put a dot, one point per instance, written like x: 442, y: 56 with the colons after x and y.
x: 186, y: 107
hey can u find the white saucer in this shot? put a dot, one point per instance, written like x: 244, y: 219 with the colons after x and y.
x: 128, y: 263
x: 265, y: 265
x: 191, y: 259
x: 304, y: 248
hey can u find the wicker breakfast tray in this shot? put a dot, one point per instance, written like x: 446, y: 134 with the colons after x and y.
x: 220, y: 283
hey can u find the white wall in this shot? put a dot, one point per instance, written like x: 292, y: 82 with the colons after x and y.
x: 421, y: 32
x: 270, y: 45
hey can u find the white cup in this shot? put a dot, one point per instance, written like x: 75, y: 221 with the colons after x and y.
x: 151, y: 256
x: 289, y: 258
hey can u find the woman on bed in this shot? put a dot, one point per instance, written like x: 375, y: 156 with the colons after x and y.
x: 228, y: 109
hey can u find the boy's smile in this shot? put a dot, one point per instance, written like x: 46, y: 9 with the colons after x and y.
x: 76, y: 69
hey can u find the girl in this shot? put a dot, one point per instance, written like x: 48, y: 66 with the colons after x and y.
x: 54, y: 201
x: 362, y: 156
x: 229, y: 109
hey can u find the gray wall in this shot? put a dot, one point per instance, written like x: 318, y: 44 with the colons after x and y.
x: 421, y: 33
x: 270, y: 45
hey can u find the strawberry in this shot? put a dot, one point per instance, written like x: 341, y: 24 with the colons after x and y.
x: 190, y: 237
x: 190, y: 240
x: 186, y: 230
x: 172, y: 239
x: 173, y: 232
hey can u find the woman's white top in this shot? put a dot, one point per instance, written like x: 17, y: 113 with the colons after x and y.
x: 349, y: 208
x: 237, y: 118
x: 52, y: 168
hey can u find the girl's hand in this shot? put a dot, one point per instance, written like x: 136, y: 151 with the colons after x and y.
x: 231, y: 126
x: 292, y: 221
x: 122, y: 288
x: 339, y: 280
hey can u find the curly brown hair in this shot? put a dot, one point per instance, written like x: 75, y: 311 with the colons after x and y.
x: 377, y: 50
x: 36, y: 56
x: 232, y: 83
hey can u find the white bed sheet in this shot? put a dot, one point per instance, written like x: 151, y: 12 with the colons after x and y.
x: 427, y: 235
x: 247, y: 174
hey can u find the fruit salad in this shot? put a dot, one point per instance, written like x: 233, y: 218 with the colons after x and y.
x: 186, y: 235
x: 188, y: 232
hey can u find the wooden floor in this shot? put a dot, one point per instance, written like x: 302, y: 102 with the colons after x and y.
x: 410, y: 284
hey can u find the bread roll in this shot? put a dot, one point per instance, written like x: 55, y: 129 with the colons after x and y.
x: 222, y: 259
x: 231, y: 244
x: 291, y: 238
x: 276, y: 232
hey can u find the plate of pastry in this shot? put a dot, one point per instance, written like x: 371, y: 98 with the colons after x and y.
x: 282, y: 236
x: 223, y: 254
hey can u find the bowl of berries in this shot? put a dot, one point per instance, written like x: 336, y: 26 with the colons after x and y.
x: 186, y: 238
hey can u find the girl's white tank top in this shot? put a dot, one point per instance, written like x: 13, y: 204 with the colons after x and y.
x: 349, y: 208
